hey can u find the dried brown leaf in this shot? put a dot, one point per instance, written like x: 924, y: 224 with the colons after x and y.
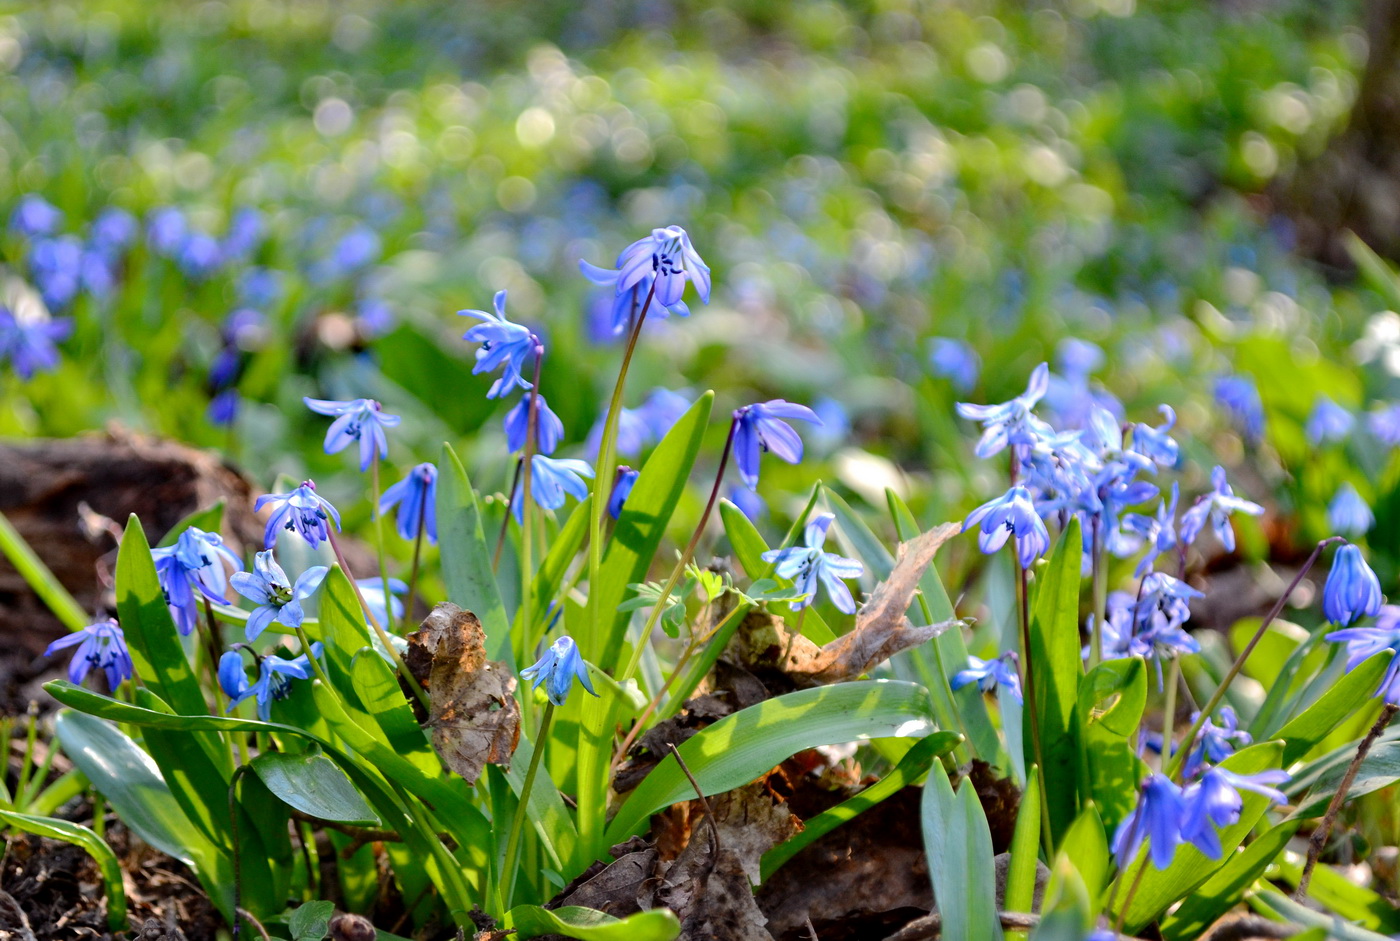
x: 474, y: 717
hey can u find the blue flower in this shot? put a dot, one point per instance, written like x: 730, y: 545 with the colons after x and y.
x: 1216, y: 506
x: 989, y: 674
x: 1011, y: 514
x: 275, y: 677
x: 549, y: 430
x: 1348, y: 514
x: 1352, y: 590
x: 1328, y: 422
x: 748, y: 502
x: 626, y: 305
x: 661, y: 410
x: 166, y: 229
x: 503, y: 344
x: 245, y: 231
x: 303, y: 511
x: 633, y: 433
x: 197, y: 560
x: 112, y: 232
x: 372, y: 590
x: 1154, y: 443
x: 34, y: 216
x: 1385, y: 424
x: 807, y: 567
x: 1078, y: 359
x: 1159, y: 531
x: 1215, y: 742
x: 557, y: 668
x: 199, y: 256
x: 1365, y: 642
x: 29, y: 344
x: 956, y: 361
x: 416, y: 498
x: 1238, y: 396
x: 1010, y: 422
x: 223, y: 408
x: 357, y: 248
x: 277, y: 597
x: 57, y: 266
x: 361, y: 420
x: 622, y: 489
x: 1214, y: 801
x: 762, y: 427
x: 101, y: 645
x: 552, y: 480
x: 1157, y: 817
x: 668, y: 256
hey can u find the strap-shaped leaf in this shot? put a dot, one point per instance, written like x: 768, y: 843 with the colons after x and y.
x: 1351, y: 694
x: 97, y: 848
x: 1054, y: 656
x: 466, y: 558
x: 587, y: 924
x: 959, y: 849
x: 1199, y: 910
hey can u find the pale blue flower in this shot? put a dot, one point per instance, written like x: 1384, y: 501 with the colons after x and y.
x: 1328, y: 422
x: 197, y: 560
x: 549, y: 430
x: 1155, y: 443
x: 763, y: 427
x: 100, y: 645
x: 1238, y: 396
x: 551, y: 481
x: 1011, y: 514
x: 416, y: 498
x: 278, y: 599
x: 275, y: 675
x: 35, y: 216
x: 504, y: 345
x: 1385, y: 424
x: 989, y: 674
x: 956, y: 361
x: 626, y: 305
x: 1215, y: 742
x: 372, y: 590
x: 1348, y: 514
x: 808, y: 565
x: 30, y: 344
x: 361, y: 420
x: 1010, y: 422
x: 557, y: 668
x: 1217, y: 507
x: 668, y: 256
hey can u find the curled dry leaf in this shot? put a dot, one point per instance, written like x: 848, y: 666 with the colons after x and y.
x: 474, y: 716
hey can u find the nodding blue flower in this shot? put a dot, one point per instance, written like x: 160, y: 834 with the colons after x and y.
x: 661, y: 410
x: 552, y: 480
x: 835, y: 426
x: 748, y: 502
x: 1158, y: 531
x: 956, y: 361
x: 1385, y: 424
x: 166, y: 229
x: 989, y: 674
x: 1215, y: 742
x: 763, y: 427
x: 1011, y: 514
x: 1365, y: 642
x: 374, y: 317
x: 223, y: 408
x: 808, y: 565
x: 1348, y: 514
x: 1238, y: 396
x: 278, y: 598
x: 622, y: 489
x: 197, y: 560
x: 361, y: 420
x: 57, y: 266
x: 1010, y: 422
x: 29, y: 342
x: 503, y: 344
x: 1328, y: 422
x: 35, y: 216
x: 1352, y: 590
x: 416, y: 498
x: 1216, y: 506
x: 1214, y: 801
x: 100, y: 645
x: 1078, y: 359
x: 275, y: 675
x: 1156, y: 818
x: 627, y: 303
x: 549, y: 430
x: 372, y: 590
x: 302, y: 511
x: 557, y: 668
x: 668, y: 256
x: 1154, y: 443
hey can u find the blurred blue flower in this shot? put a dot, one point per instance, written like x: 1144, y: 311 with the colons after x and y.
x: 1352, y: 590
x: 1215, y: 742
x: 989, y: 674
x: 1217, y: 507
x: 549, y: 430
x: 1010, y: 422
x: 356, y: 249
x: 748, y: 502
x: 1078, y: 359
x: 956, y: 361
x: 1156, y: 444
x: 223, y: 408
x: 275, y: 675
x: 1385, y: 424
x: 372, y: 590
x: 552, y: 480
x: 808, y: 566
x: 661, y: 410
x: 1238, y: 396
x: 1328, y: 422
x: 1214, y: 801
x: 416, y: 498
x: 302, y: 511
x: 1365, y: 642
x: 166, y: 229
x: 668, y: 256
x: 502, y: 344
x: 113, y: 232
x: 29, y: 344
x: 361, y: 420
x: 1157, y: 817
x: 199, y: 256
x: 35, y: 216
x: 259, y: 287
x: 633, y: 434
x: 57, y: 267
x: 623, y: 482
x: 1011, y: 514
x: 374, y: 317
x: 1348, y: 514
x: 557, y: 668
x: 835, y: 424
x: 277, y: 597
x: 100, y: 645
x: 763, y: 427
x: 245, y: 232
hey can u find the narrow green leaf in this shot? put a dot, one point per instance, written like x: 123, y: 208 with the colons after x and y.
x: 740, y: 747
x: 313, y: 784
x: 78, y: 835
x: 1057, y: 665
x: 466, y: 557
x: 1025, y: 848
x: 1334, y: 926
x: 959, y: 850
x: 209, y: 520
x: 378, y: 686
x: 586, y: 924
x: 1381, y: 768
x: 1112, y: 697
x: 1345, y: 699
x: 562, y: 550
x: 1086, y: 846
x: 1222, y: 891
x: 38, y: 577
x: 552, y: 820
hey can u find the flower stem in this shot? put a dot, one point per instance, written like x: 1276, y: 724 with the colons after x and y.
x: 1173, y: 767
x: 417, y: 559
x: 378, y: 528
x: 527, y: 506
x: 1128, y: 899
x: 505, y: 519
x: 1028, y: 683
x: 1169, y: 705
x: 1319, y: 837
x: 505, y: 885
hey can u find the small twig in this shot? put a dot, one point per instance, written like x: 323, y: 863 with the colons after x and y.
x: 1319, y: 837
x: 1251, y: 926
x: 709, y: 813
x: 931, y: 926
x: 248, y: 916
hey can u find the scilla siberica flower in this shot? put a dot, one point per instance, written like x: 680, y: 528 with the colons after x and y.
x: 1156, y: 818
x: 1010, y: 422
x: 1238, y: 396
x: 1365, y: 642
x: 1352, y: 590
x: 1216, y: 506
x: 557, y: 668
x: 303, y: 511
x: 549, y: 430
x: 1215, y: 742
x: 1154, y: 443
x: 763, y: 427
x: 551, y: 480
x: 622, y: 489
x: 197, y: 560
x: 668, y: 256
x: 278, y: 598
x: 372, y: 590
x: 1385, y: 424
x: 1328, y: 422
x: 29, y: 343
x: 1348, y: 514
x: 807, y: 566
x: 100, y: 645
x: 275, y: 675
x: 1011, y: 514
x: 361, y: 420
x: 1158, y: 531
x: 416, y: 498
x: 504, y: 345
x: 989, y: 674
x: 627, y: 303
x: 1214, y: 801
x: 955, y: 361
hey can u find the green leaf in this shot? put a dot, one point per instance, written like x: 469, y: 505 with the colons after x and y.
x: 466, y: 557
x: 1336, y: 893
x: 1374, y: 270
x: 915, y: 762
x: 959, y: 850
x: 314, y: 785
x: 1381, y: 768
x: 1287, y: 687
x: 1054, y: 656
x: 1086, y: 846
x: 377, y: 684
x: 586, y: 924
x: 311, y: 921
x: 1335, y: 927
x: 740, y: 747
x: 1345, y: 699
x: 1223, y: 891
x: 640, y: 527
x: 209, y: 520
x: 38, y: 577
x: 1112, y: 697
x: 78, y: 835
x: 563, y: 548
x: 1025, y: 848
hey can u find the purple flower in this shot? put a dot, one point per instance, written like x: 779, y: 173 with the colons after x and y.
x: 551, y: 481
x: 1011, y: 514
x: 1328, y: 422
x: 989, y: 674
x: 668, y: 256
x: 1157, y: 817
x: 1348, y: 514
x: 1352, y: 590
x: 763, y: 427
x: 197, y: 560
x: 503, y: 344
x: 1214, y: 801
x: 956, y: 361
x: 303, y: 511
x: 277, y: 597
x: 626, y: 305
x: 557, y: 668
x: 549, y: 430
x: 808, y: 565
x: 416, y: 498
x: 1010, y: 422
x: 1238, y: 396
x: 275, y: 675
x: 622, y: 488
x: 101, y: 645
x: 29, y: 344
x: 1216, y: 506
x: 361, y: 420
x: 35, y: 216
